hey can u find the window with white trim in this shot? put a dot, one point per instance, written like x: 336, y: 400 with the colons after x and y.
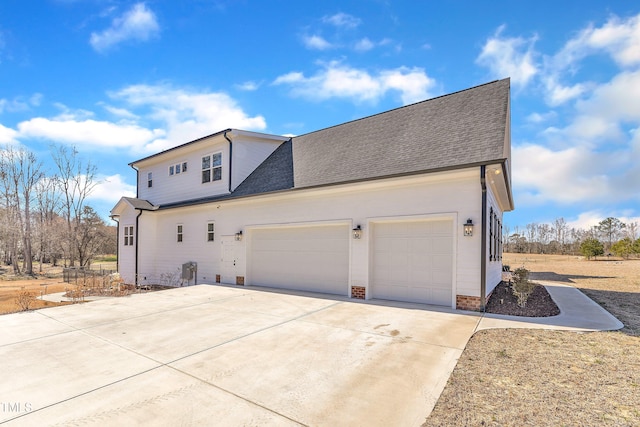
x: 178, y: 168
x: 150, y: 179
x: 211, y: 231
x: 212, y: 167
x: 179, y: 234
x: 128, y: 235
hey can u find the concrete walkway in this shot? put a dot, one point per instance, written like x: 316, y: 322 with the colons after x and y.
x: 223, y: 355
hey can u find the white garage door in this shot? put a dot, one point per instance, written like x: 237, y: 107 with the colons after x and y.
x: 314, y: 258
x: 413, y: 261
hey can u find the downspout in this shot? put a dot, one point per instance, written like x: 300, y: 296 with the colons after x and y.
x: 136, y: 250
x: 483, y: 231
x: 113, y: 218
x: 230, y: 155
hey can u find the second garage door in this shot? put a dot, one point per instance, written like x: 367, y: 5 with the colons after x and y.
x: 413, y: 261
x: 313, y: 258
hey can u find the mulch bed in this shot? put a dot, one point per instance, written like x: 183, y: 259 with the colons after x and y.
x: 539, y: 304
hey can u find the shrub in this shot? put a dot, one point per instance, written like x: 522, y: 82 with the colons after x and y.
x: 24, y: 300
x: 522, y: 287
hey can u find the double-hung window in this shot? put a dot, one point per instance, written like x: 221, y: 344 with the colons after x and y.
x: 128, y: 235
x: 179, y: 233
x: 210, y: 232
x: 150, y: 180
x: 212, y: 168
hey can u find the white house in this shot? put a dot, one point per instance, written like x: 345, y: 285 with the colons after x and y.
x: 373, y: 208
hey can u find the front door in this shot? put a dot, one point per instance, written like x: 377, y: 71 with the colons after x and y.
x: 229, y: 260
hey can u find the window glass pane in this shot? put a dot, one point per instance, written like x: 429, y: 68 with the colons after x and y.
x: 206, y: 176
x: 206, y: 162
x: 179, y: 229
x: 210, y: 227
x: 178, y: 168
x: 184, y: 167
x: 217, y: 174
x: 217, y: 159
x: 170, y: 170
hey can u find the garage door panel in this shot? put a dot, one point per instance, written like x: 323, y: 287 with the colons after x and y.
x: 314, y: 258
x: 413, y: 261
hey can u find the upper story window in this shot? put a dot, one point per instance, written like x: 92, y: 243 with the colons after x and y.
x: 210, y: 232
x: 150, y: 180
x: 177, y: 168
x: 212, y: 168
x: 128, y: 235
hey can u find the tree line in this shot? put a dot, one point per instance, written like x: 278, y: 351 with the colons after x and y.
x: 609, y: 236
x: 44, y: 215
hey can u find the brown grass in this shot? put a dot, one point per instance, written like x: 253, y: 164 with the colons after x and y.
x: 550, y: 378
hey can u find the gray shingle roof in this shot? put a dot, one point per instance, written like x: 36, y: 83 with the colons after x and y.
x: 140, y: 204
x: 452, y: 131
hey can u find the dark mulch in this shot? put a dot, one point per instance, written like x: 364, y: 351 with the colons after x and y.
x: 539, y: 304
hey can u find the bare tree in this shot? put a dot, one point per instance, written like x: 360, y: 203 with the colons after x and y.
x: 21, y: 171
x: 76, y: 181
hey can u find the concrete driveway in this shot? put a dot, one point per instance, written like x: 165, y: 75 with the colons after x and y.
x: 216, y: 355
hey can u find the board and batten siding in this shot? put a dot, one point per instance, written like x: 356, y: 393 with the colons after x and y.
x: 454, y: 195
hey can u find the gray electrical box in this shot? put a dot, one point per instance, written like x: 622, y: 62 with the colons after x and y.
x: 188, y: 270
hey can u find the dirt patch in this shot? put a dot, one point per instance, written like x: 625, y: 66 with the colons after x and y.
x: 522, y: 377
x: 10, y: 289
x: 543, y: 378
x: 539, y: 303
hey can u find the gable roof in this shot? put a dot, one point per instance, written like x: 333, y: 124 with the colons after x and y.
x: 452, y: 131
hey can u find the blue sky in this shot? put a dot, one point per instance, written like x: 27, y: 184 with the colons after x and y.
x: 122, y: 79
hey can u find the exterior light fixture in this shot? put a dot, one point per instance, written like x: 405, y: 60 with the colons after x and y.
x: 357, y: 232
x: 239, y: 236
x: 468, y: 228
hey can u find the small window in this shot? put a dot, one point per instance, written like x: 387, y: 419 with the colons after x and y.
x: 177, y: 169
x: 150, y: 180
x: 179, y: 233
x: 128, y: 235
x: 212, y: 168
x: 210, y: 232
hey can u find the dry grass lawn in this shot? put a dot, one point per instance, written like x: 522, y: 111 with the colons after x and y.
x: 550, y: 378
x: 10, y: 287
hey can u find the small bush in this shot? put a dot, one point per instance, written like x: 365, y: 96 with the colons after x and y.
x: 522, y: 288
x: 25, y: 300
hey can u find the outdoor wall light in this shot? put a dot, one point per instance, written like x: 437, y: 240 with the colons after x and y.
x: 239, y: 236
x: 468, y: 228
x: 357, y: 232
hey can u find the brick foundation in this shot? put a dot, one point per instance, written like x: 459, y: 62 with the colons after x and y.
x: 358, y: 292
x: 240, y: 280
x: 465, y: 302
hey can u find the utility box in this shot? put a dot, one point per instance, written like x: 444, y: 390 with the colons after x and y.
x: 188, y: 270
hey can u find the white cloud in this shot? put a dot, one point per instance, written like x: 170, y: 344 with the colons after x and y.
x: 88, y: 133
x: 186, y: 114
x: 20, y: 103
x: 316, y: 42
x: 7, y: 135
x: 138, y: 24
x: 120, y: 112
x: 510, y: 57
x: 364, y: 45
x: 248, y: 86
x: 541, y: 118
x: 339, y: 81
x: 342, y: 20
x: 111, y: 188
x: 574, y: 174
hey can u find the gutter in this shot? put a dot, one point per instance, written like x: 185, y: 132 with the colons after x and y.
x: 483, y: 231
x: 230, y: 155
